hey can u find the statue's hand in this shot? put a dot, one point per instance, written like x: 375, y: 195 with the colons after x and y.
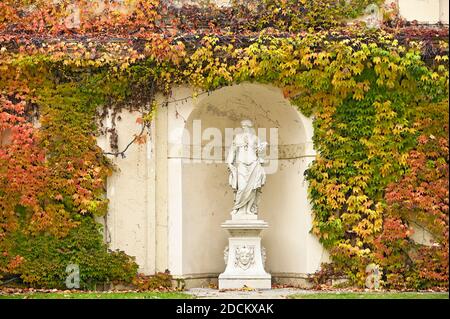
x: 262, y: 146
x: 232, y: 179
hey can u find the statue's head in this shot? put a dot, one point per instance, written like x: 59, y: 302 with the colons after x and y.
x: 246, y: 124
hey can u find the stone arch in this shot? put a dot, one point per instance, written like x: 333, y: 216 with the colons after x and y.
x: 202, y: 198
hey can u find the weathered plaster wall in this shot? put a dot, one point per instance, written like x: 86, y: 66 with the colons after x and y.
x: 421, y: 235
x: 130, y: 222
x: 444, y: 11
x: 424, y: 11
x: 161, y: 189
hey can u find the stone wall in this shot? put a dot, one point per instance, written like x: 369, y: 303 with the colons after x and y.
x: 130, y: 222
x: 424, y: 11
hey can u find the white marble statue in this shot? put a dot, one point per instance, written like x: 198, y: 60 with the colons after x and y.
x: 247, y: 176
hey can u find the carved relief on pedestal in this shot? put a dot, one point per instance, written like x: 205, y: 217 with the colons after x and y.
x: 244, y: 256
x: 226, y: 252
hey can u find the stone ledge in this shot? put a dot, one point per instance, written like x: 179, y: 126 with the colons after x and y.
x: 207, y: 280
x: 245, y: 224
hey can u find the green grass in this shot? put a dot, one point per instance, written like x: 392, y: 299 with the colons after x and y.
x: 98, y: 295
x: 371, y: 295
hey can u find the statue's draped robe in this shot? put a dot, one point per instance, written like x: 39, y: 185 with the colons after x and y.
x: 247, y: 176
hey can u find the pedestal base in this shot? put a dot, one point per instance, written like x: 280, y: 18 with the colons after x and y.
x: 237, y: 282
x: 244, y: 256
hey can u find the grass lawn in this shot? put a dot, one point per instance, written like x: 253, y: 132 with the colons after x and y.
x: 98, y: 295
x: 371, y: 295
x: 180, y: 295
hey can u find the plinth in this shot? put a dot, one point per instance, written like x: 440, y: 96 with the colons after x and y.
x: 244, y: 256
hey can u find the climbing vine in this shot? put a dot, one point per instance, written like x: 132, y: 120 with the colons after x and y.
x: 377, y: 97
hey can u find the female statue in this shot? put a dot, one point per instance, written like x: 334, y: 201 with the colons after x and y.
x: 247, y: 175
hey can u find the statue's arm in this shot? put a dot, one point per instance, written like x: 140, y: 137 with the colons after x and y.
x: 261, y: 151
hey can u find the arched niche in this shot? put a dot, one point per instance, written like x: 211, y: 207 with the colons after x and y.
x: 196, y: 240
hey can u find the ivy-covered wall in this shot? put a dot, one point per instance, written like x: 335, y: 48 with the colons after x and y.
x: 379, y: 99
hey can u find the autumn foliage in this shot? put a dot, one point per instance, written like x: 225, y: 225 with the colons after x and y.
x: 22, y: 167
x: 42, y: 196
x: 379, y: 100
x: 420, y: 197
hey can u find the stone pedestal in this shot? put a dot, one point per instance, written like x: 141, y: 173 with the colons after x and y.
x: 244, y: 256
